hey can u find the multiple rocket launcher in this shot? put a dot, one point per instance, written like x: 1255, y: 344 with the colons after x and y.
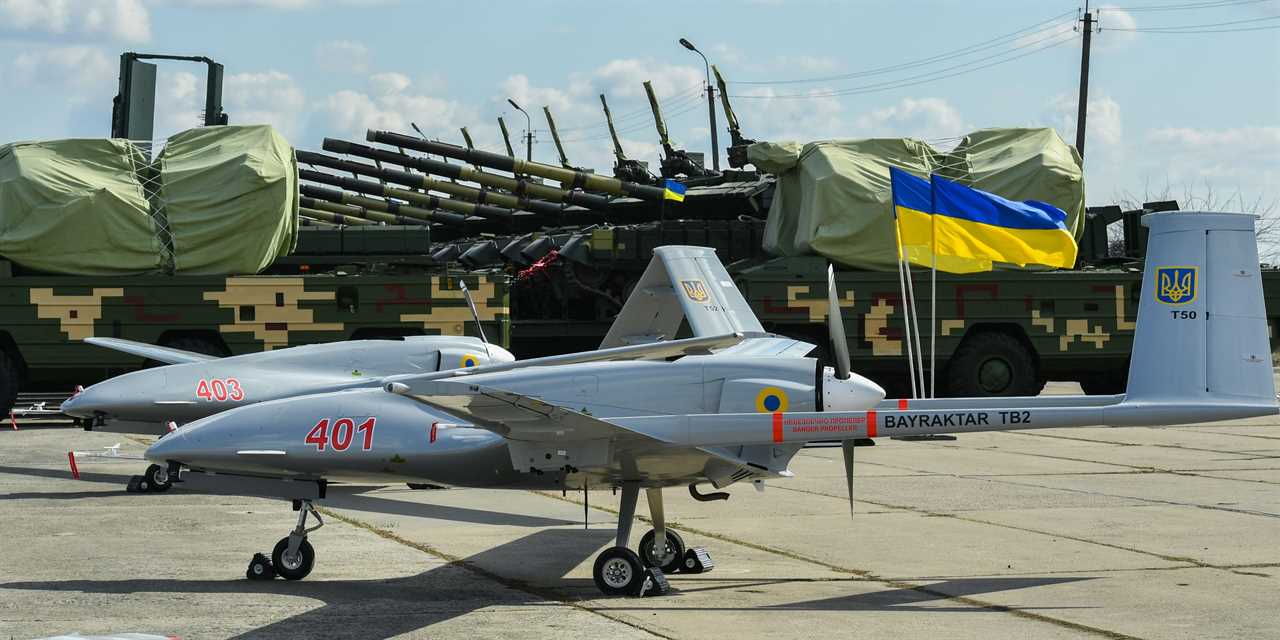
x: 365, y: 185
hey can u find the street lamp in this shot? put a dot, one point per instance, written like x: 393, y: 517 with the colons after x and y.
x: 711, y: 105
x: 528, y: 131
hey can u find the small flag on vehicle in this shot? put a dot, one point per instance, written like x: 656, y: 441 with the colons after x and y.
x: 673, y: 190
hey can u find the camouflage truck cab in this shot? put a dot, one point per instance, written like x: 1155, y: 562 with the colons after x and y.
x: 45, y: 318
x: 999, y: 333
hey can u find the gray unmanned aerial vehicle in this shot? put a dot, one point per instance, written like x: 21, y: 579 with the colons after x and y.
x: 731, y: 404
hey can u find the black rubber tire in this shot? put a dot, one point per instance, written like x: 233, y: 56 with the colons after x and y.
x: 618, y: 572
x: 674, y: 543
x: 260, y: 568
x: 10, y: 382
x: 992, y: 363
x: 290, y: 570
x: 153, y: 476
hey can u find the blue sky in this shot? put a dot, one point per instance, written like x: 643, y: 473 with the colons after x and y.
x: 1199, y: 112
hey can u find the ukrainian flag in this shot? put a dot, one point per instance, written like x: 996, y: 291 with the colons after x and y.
x: 970, y: 229
x: 673, y: 190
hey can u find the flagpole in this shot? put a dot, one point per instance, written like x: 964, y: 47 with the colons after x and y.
x: 915, y: 320
x: 906, y: 319
x: 933, y: 295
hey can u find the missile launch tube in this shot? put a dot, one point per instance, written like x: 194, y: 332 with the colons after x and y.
x: 521, y: 188
x: 342, y: 197
x: 574, y: 179
x: 331, y: 218
x: 503, y: 205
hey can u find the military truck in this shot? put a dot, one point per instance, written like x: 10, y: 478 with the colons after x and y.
x: 343, y: 283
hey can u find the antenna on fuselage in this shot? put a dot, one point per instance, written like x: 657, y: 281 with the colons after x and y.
x: 466, y: 293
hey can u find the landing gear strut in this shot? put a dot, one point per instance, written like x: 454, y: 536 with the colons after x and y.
x: 620, y: 571
x: 293, y: 556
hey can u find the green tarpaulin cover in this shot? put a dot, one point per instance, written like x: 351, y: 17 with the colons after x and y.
x: 76, y: 206
x: 230, y: 195
x: 833, y: 197
x: 217, y: 200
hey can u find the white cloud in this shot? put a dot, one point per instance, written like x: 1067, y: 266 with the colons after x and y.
x: 122, y: 20
x: 924, y: 118
x: 282, y: 5
x: 268, y: 97
x: 343, y: 56
x: 390, y: 82
x: 1117, y: 28
x: 393, y: 106
x: 77, y: 67
x: 179, y: 102
x: 1236, y: 158
x: 1103, y: 119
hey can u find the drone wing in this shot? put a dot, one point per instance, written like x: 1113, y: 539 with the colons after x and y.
x: 514, y: 416
x: 167, y: 355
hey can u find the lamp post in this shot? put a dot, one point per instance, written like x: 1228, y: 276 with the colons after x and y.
x: 528, y: 131
x: 711, y: 105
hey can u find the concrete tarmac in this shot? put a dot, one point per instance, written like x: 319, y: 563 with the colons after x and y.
x: 1079, y: 533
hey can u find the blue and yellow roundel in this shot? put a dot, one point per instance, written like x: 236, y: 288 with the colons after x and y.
x: 771, y: 400
x: 469, y: 360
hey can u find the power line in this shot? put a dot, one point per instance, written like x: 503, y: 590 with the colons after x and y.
x: 1205, y: 28
x: 1209, y: 4
x: 974, y: 48
x: 927, y: 77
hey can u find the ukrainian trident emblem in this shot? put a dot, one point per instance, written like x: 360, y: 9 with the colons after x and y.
x: 695, y: 289
x: 1176, y: 285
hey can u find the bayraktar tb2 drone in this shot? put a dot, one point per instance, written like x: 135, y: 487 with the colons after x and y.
x: 729, y: 405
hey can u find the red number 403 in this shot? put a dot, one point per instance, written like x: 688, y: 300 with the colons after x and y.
x: 343, y: 432
x: 220, y: 390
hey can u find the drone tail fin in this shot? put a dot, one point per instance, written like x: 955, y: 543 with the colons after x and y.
x: 1201, y: 334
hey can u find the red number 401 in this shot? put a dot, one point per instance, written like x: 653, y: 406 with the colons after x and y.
x: 339, y: 438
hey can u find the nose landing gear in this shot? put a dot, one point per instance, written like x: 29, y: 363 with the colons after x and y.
x: 293, y: 557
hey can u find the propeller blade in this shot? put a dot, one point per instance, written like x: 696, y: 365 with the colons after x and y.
x: 847, y: 447
x: 835, y: 328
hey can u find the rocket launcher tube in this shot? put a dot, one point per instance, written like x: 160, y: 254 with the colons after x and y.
x: 506, y: 136
x: 503, y: 204
x: 342, y: 197
x: 373, y: 216
x: 555, y: 137
x: 576, y: 179
x: 522, y: 188
x: 375, y: 189
x: 331, y: 218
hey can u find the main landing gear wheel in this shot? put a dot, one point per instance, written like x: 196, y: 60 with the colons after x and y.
x: 293, y: 566
x: 668, y: 558
x: 618, y: 572
x: 157, y: 478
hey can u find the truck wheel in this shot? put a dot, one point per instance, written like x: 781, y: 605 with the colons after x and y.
x: 992, y: 364
x: 10, y: 381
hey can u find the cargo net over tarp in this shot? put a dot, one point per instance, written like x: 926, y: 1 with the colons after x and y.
x: 215, y: 200
x: 833, y: 197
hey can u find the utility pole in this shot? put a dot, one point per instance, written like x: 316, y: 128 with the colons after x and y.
x: 528, y: 127
x: 711, y: 104
x: 1082, y: 109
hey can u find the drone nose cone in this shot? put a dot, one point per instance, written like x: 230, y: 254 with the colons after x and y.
x: 855, y: 393
x: 85, y: 403
x: 173, y: 446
